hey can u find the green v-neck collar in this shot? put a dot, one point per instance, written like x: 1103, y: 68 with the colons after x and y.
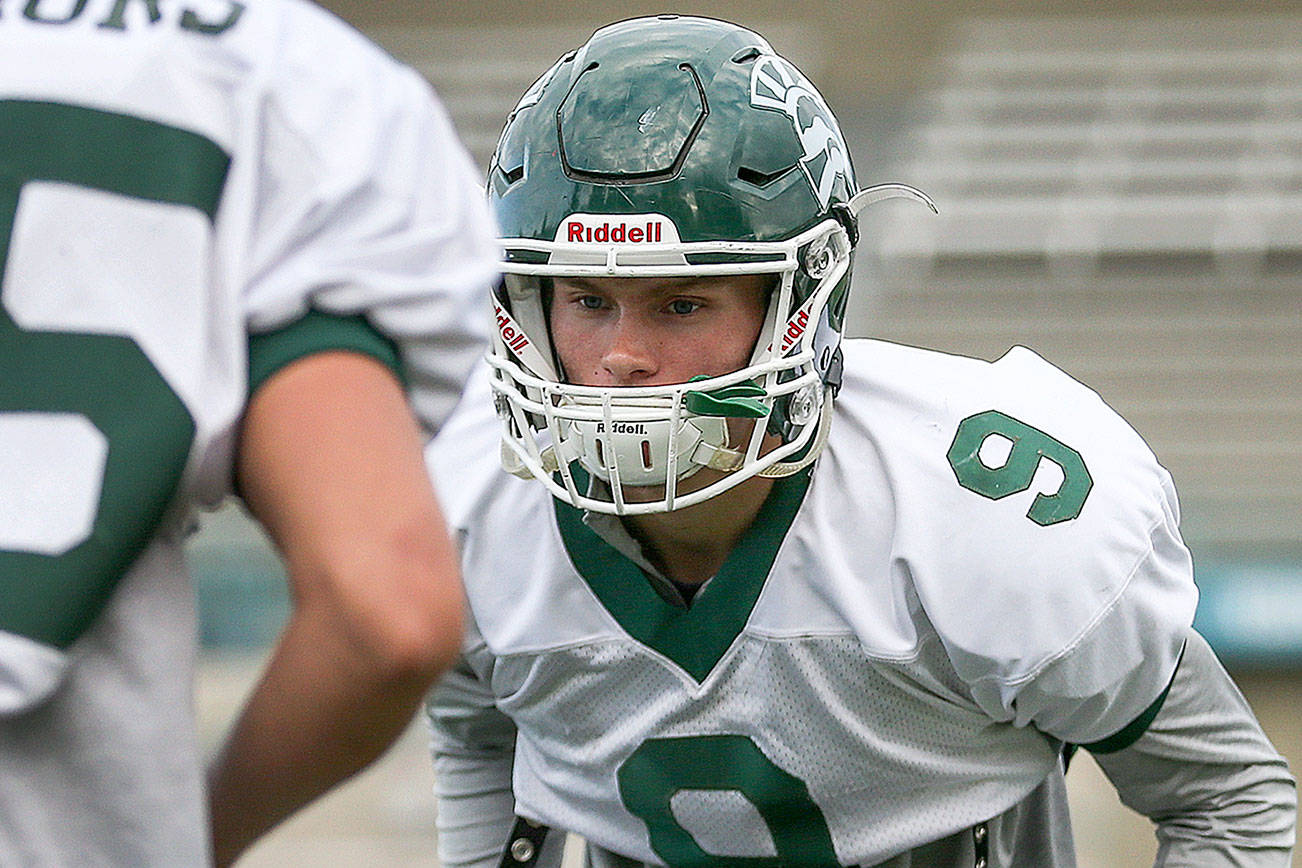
x: 696, y: 637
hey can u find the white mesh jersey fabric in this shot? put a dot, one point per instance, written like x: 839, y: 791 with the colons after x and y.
x: 331, y: 201
x: 889, y: 764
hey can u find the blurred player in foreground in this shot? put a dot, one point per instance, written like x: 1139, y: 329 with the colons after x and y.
x: 736, y: 622
x: 227, y: 232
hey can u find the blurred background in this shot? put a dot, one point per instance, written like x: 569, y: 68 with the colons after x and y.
x: 1121, y: 192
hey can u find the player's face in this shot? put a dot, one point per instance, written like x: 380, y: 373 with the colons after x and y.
x: 645, y: 331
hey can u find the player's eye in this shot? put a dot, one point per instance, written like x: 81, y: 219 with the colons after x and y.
x: 590, y: 302
x: 682, y: 306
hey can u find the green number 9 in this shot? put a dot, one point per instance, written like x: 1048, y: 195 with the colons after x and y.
x: 1030, y: 446
x: 663, y: 767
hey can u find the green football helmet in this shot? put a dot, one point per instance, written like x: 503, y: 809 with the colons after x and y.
x: 666, y: 147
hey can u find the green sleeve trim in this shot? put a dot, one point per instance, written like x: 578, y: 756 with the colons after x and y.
x: 1137, y: 727
x: 317, y: 332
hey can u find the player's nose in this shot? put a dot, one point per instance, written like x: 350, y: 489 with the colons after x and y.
x: 630, y: 357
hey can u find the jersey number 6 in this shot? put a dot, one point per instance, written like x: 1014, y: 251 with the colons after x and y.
x: 89, y: 401
x: 1030, y: 446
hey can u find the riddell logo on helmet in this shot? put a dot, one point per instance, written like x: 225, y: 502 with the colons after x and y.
x: 608, y: 229
x: 622, y: 428
x: 797, y: 325
x: 512, y: 335
x: 795, y: 328
x: 613, y: 233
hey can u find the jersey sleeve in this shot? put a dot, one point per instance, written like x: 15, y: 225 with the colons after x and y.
x: 1043, y: 542
x: 313, y: 333
x: 1103, y: 687
x: 367, y: 204
x: 473, y: 746
x: 1204, y: 772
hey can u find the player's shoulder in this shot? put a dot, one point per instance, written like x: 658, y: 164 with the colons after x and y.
x: 919, y: 372
x: 516, y: 572
x: 333, y: 102
x: 1019, y: 398
x: 328, y: 44
x: 1015, y: 445
x: 1016, y: 497
x: 299, y: 47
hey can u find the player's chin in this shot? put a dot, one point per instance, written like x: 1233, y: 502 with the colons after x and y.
x: 644, y: 493
x: 687, y: 485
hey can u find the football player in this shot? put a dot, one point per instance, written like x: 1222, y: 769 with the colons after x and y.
x: 767, y: 597
x: 228, y: 232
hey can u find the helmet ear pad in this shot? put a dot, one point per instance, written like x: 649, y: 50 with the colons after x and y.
x: 545, y: 293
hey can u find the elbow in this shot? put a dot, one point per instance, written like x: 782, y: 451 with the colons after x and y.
x: 1260, y: 817
x: 394, y: 614
x: 1288, y: 808
x: 412, y: 645
x: 1275, y: 801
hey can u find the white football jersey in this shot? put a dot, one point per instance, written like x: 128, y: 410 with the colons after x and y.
x: 984, y: 564
x: 175, y: 178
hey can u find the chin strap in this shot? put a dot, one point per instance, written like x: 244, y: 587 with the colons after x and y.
x: 512, y: 464
x: 786, y: 468
x: 728, y: 460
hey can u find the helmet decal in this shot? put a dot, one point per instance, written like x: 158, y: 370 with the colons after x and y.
x: 646, y: 118
x: 796, y: 326
x: 622, y: 229
x: 516, y: 339
x: 778, y: 86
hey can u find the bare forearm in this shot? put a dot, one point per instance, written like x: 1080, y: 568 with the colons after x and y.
x: 330, y: 463
x: 321, y: 712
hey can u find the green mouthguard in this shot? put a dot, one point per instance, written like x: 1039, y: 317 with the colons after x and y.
x: 738, y: 401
